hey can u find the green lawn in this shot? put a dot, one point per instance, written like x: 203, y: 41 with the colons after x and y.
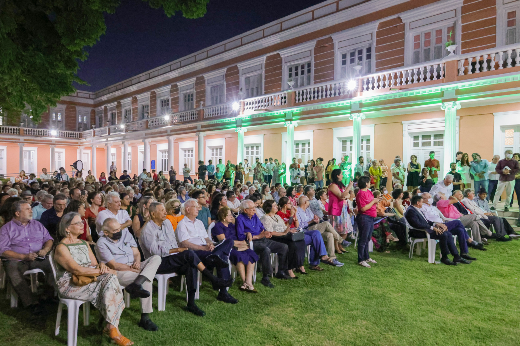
x: 397, y: 302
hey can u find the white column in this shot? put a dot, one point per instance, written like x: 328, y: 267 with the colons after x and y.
x: 171, y: 156
x: 53, y: 159
x: 450, y: 135
x: 109, y: 158
x: 289, y: 148
x: 93, y: 164
x: 20, y: 147
x: 356, y: 139
x: 147, y: 155
x: 81, y: 149
x: 200, y: 136
x: 125, y: 156
x: 240, y: 147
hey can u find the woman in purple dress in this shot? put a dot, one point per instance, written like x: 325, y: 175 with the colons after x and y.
x: 241, y: 255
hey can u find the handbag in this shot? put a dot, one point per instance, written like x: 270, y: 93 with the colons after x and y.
x: 295, y: 236
x: 83, y: 280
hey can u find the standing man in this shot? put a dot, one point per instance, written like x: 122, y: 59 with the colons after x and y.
x: 457, y: 178
x: 434, y: 166
x: 479, y: 168
x: 186, y: 173
x: 221, y: 166
x: 319, y: 169
x: 113, y: 167
x: 173, y: 175
x: 493, y: 177
x: 360, y: 166
x: 118, y: 250
x: 269, y: 167
x: 192, y: 235
x: 265, y: 166
x: 506, y: 168
x: 202, y: 171
x: 247, y: 169
x: 211, y: 170
x: 397, y: 173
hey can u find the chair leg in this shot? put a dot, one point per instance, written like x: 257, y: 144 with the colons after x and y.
x: 72, y: 322
x: 14, y: 297
x: 2, y: 276
x: 411, y: 248
x: 254, y: 272
x: 127, y: 299
x: 162, y: 285
x: 34, y: 282
x: 86, y: 313
x: 432, y: 248
x: 370, y: 246
x: 58, y: 319
x: 199, y: 281
x: 419, y: 248
x: 183, y: 278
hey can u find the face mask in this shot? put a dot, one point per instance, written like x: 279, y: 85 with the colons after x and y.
x: 117, y: 236
x: 385, y: 192
x: 430, y: 200
x: 177, y: 210
x: 509, y: 156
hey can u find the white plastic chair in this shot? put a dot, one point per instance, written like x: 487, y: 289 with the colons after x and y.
x: 162, y: 288
x: 3, y: 276
x: 34, y: 286
x: 370, y: 243
x: 210, y: 227
x: 431, y: 243
x: 73, y: 306
x: 256, y: 264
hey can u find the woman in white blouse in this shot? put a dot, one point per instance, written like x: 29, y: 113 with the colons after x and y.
x: 282, y: 233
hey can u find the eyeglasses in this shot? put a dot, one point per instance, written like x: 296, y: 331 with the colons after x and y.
x: 77, y: 223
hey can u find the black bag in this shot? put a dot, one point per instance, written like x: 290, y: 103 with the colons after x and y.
x: 295, y: 236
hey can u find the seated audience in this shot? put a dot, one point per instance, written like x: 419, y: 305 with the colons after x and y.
x: 79, y: 207
x: 241, y: 255
x: 173, y: 211
x: 25, y: 243
x: 51, y: 218
x: 192, y: 234
x: 113, y: 210
x: 118, y: 250
x: 75, y: 260
x: 158, y: 238
x: 483, y: 203
x: 309, y: 221
x: 439, y: 231
x: 233, y: 202
x: 142, y: 215
x: 281, y: 232
x: 250, y: 228
x: 46, y: 202
x: 444, y: 186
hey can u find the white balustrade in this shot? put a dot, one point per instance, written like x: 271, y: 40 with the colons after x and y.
x: 404, y: 76
x: 69, y: 134
x: 320, y: 91
x: 264, y: 102
x: 115, y: 129
x: 102, y: 131
x: 489, y: 60
x: 87, y: 134
x: 159, y: 122
x: 38, y: 132
x: 9, y: 130
x: 186, y: 116
x: 217, y: 111
x: 136, y: 125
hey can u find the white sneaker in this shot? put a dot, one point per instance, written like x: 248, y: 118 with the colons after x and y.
x: 371, y: 260
x: 364, y: 264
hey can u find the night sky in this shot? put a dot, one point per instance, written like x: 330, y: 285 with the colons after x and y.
x: 139, y: 38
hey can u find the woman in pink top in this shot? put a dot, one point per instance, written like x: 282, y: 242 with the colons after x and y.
x: 366, y: 206
x: 338, y: 193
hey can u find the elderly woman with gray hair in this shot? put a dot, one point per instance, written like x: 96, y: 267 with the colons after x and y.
x: 77, y: 265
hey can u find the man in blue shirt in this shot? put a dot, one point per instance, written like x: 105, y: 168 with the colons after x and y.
x: 204, y: 215
x: 211, y: 170
x: 250, y: 227
x: 479, y: 168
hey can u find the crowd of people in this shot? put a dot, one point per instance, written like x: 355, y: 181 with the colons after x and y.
x: 111, y: 233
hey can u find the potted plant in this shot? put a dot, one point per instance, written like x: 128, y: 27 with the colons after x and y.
x: 450, y: 45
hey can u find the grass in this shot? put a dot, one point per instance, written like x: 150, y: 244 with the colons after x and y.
x: 397, y: 302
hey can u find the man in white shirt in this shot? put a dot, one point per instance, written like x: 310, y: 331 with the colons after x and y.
x: 113, y: 167
x: 44, y: 177
x: 493, y: 177
x: 113, y: 203
x: 192, y: 235
x: 233, y: 202
x: 444, y: 186
x: 247, y: 169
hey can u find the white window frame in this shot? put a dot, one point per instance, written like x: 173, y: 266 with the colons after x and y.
x: 164, y: 106
x: 253, y: 151
x: 56, y: 165
x: 503, y: 7
x: 212, y: 79
x: 57, y: 118
x: 302, y: 145
x: 297, y: 55
x: 183, y: 100
x: 364, y: 151
x: 253, y: 140
x: 248, y: 69
x: 35, y: 149
x: 291, y: 73
x: 3, y: 160
x: 214, y: 154
x: 143, y: 109
x: 350, y: 72
x: 186, y: 145
x: 419, y: 16
x: 82, y: 119
x: 445, y: 29
x: 127, y: 115
x: 112, y: 117
x: 163, y: 160
x: 188, y: 156
x: 341, y: 133
x: 213, y: 100
x: 299, y: 136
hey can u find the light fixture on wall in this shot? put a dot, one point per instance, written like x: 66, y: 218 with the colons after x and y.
x: 167, y: 117
x: 235, y: 106
x: 352, y: 85
x: 54, y: 133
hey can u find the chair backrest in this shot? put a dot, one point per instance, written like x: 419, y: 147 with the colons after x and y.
x: 209, y: 230
x: 53, y: 265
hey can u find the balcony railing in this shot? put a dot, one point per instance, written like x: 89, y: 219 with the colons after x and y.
x: 102, y: 131
x: 264, y: 102
x: 115, y: 129
x: 159, y: 122
x: 217, y: 111
x: 489, y: 60
x: 139, y: 125
x: 24, y: 131
x: 186, y: 116
x: 9, y: 130
x: 320, y: 91
x: 403, y: 76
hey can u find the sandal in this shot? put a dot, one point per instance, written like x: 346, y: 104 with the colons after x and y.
x: 248, y: 288
x: 116, y: 337
x: 317, y: 268
x: 329, y: 262
x: 301, y: 271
